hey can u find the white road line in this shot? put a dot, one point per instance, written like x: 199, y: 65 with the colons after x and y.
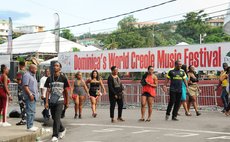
x: 221, y: 137
x: 108, y: 130
x: 144, y: 131
x: 91, y: 141
x: 182, y: 135
x: 152, y: 128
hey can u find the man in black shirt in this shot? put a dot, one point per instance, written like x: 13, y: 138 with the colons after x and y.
x: 177, y: 76
x: 57, y: 85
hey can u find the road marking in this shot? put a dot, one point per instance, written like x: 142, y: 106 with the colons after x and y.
x: 151, y: 128
x: 182, y: 135
x: 91, y: 141
x: 221, y: 137
x: 107, y: 130
x: 144, y: 131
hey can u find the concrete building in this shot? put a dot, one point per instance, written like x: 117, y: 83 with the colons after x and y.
x: 142, y: 24
x: 4, y: 26
x: 216, y: 22
x: 29, y: 29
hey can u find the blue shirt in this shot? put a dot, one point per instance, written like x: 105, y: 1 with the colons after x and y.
x: 29, y: 79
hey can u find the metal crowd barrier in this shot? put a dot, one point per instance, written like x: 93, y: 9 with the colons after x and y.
x: 132, y: 97
x: 207, y: 99
x: 13, y: 88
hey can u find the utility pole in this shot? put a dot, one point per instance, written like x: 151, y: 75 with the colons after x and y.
x: 57, y: 32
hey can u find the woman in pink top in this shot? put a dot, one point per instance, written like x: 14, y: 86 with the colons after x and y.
x: 149, y: 82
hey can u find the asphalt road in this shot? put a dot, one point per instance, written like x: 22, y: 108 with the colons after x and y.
x: 211, y: 126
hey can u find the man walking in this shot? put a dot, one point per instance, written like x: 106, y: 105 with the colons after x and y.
x: 115, y: 94
x: 57, y: 85
x: 43, y: 90
x: 30, y: 91
x: 21, y: 100
x: 223, y: 82
x: 177, y: 76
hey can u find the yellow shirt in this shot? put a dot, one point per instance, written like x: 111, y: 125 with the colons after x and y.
x: 225, y: 81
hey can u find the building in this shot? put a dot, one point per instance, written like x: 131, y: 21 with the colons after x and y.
x: 29, y: 29
x: 143, y: 24
x: 4, y: 26
x: 216, y: 22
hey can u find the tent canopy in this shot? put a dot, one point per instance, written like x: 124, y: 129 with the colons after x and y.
x: 43, y: 42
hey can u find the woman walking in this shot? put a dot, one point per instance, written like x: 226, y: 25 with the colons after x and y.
x: 4, y: 95
x: 115, y: 94
x: 193, y: 89
x: 149, y: 83
x: 184, y: 92
x: 79, y: 91
x: 94, y: 90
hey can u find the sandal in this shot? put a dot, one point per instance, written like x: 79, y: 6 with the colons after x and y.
x: 188, y: 114
x: 147, y: 120
x: 142, y: 120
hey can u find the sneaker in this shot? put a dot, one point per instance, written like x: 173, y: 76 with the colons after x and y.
x: 6, y: 124
x: 167, y: 117
x: 21, y: 123
x: 32, y: 129
x: 62, y: 134
x: 175, y: 119
x: 54, y: 139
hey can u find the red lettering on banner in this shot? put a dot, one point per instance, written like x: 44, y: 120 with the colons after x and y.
x: 203, y: 58
x: 86, y: 63
x: 142, y: 61
x: 104, y: 63
x: 196, y: 60
x: 166, y: 60
x: 122, y: 61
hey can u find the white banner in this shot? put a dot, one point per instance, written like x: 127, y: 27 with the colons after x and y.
x: 203, y: 57
x: 5, y: 59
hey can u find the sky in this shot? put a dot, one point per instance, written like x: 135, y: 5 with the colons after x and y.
x: 72, y: 12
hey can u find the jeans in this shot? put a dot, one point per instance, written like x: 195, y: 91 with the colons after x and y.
x: 175, y: 99
x: 113, y: 102
x: 56, y: 111
x: 30, y: 113
x: 224, y: 97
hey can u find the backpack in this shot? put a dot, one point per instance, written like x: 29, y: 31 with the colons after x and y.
x: 143, y: 81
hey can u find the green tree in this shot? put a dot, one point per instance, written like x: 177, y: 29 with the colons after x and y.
x: 193, y: 25
x: 66, y: 33
x: 75, y: 49
x: 216, y: 34
x: 2, y: 40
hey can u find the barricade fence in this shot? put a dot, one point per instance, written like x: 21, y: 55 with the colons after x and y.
x: 132, y: 96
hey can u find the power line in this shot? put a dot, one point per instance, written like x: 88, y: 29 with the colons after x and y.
x: 56, y: 10
x: 145, y: 21
x: 112, y: 17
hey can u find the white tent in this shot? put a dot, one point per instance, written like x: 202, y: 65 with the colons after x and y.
x: 91, y: 48
x: 47, y: 62
x: 43, y: 42
x: 182, y: 43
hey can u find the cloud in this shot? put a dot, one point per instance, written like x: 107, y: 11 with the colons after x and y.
x: 13, y: 14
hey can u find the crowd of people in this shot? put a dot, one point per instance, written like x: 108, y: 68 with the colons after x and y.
x: 183, y: 91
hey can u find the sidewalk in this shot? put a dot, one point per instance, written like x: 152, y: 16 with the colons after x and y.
x: 20, y: 134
